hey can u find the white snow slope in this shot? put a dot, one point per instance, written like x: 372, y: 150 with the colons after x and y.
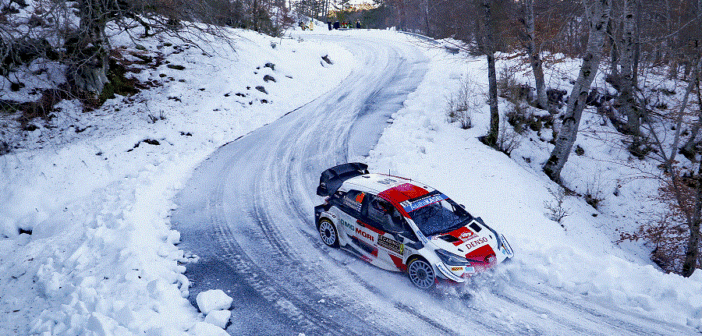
x: 578, y: 261
x: 101, y: 256
x: 102, y: 259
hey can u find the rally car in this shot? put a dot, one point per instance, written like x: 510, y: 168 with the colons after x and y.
x: 401, y: 225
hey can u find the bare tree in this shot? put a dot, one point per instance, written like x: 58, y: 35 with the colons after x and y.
x: 692, y: 255
x: 598, y: 14
x: 78, y: 31
x: 686, y: 191
x: 627, y: 101
x: 534, y: 54
x: 488, y: 47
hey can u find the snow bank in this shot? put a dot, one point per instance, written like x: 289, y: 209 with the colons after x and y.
x: 206, y: 329
x: 219, y: 318
x: 95, y: 189
x: 511, y: 194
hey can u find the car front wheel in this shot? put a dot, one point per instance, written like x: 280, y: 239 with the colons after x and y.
x: 327, y: 232
x: 421, y: 273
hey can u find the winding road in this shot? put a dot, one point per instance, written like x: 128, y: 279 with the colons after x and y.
x: 247, y: 213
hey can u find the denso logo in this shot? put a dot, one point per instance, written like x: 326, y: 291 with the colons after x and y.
x: 475, y: 243
x: 364, y: 234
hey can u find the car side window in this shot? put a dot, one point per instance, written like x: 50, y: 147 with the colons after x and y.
x: 382, y: 213
x: 408, y: 232
x: 352, y: 202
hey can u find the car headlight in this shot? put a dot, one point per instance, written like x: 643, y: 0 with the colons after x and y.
x: 451, y: 259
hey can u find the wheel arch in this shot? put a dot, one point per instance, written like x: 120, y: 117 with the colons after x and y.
x: 323, y: 217
x: 416, y: 256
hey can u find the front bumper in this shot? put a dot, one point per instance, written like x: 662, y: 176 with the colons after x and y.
x: 454, y: 273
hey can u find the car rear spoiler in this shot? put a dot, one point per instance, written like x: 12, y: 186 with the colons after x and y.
x: 332, y: 178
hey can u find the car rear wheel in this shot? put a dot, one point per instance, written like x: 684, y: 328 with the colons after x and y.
x: 327, y: 231
x: 421, y: 273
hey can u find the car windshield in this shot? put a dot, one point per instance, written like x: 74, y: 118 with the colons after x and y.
x: 436, y: 214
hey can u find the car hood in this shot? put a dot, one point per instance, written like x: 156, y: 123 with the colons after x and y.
x: 466, y: 242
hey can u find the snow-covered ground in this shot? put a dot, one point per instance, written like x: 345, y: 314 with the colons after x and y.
x: 95, y: 189
x: 579, y: 257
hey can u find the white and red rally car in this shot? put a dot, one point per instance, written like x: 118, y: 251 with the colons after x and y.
x: 401, y: 225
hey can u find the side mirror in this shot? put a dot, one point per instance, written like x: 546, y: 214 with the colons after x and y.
x: 462, y: 206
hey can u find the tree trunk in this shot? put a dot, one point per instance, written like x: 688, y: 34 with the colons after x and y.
x: 693, y: 251
x: 692, y: 254
x: 535, y: 55
x: 254, y: 15
x: 89, y: 48
x: 681, y: 110
x: 599, y: 11
x: 489, y: 46
x: 614, y: 53
x: 425, y: 9
x: 626, y: 99
x: 637, y: 45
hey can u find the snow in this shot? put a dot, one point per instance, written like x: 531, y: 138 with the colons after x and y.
x: 215, y: 299
x: 101, y: 255
x: 510, y: 195
x: 102, y: 259
x: 219, y: 318
x: 207, y: 329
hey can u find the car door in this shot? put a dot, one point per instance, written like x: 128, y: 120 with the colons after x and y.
x: 359, y: 238
x: 383, y: 219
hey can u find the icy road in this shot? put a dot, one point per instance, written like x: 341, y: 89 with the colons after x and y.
x: 247, y: 214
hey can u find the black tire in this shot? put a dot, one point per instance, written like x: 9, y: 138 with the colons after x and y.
x: 421, y: 273
x: 327, y: 231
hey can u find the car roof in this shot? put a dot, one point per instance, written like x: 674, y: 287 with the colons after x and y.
x: 393, y: 188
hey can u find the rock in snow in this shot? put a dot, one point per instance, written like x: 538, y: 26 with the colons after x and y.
x: 214, y: 299
x: 218, y: 317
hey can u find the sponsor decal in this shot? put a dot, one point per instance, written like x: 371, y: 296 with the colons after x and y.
x: 391, y: 244
x: 353, y: 205
x: 456, y: 268
x: 420, y: 203
x: 470, y: 270
x: 364, y: 234
x: 476, y: 243
x: 466, y: 235
x: 462, y: 235
x: 347, y: 224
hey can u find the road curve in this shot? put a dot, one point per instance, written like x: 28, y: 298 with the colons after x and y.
x: 247, y: 210
x: 247, y: 213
